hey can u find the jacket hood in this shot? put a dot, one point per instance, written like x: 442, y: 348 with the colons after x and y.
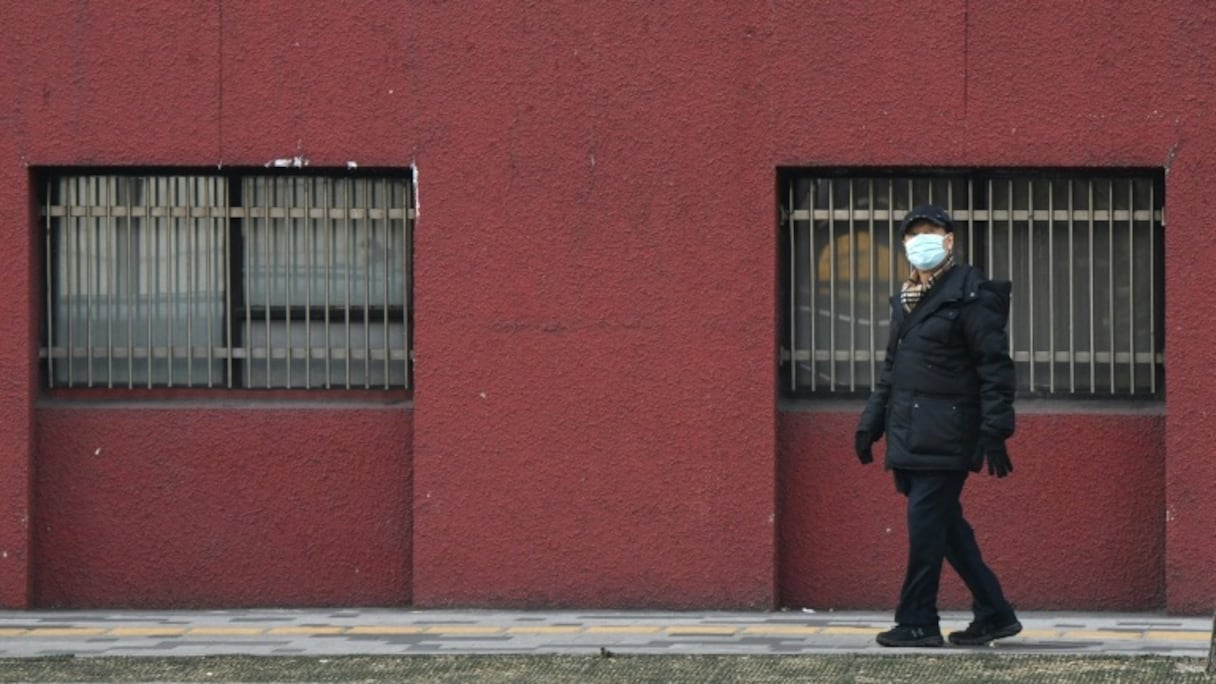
x: 1003, y: 289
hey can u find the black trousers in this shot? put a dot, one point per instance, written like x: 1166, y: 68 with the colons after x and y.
x: 937, y: 531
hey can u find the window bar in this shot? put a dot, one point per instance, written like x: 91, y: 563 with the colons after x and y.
x: 50, y: 283
x: 263, y: 200
x: 192, y: 192
x: 289, y: 223
x: 1012, y: 319
x: 950, y: 209
x: 367, y: 281
x: 247, y: 242
x: 164, y: 256
x: 209, y: 278
x: 873, y: 287
x: 833, y: 272
x: 132, y: 279
x: 75, y: 192
x: 357, y: 228
x: 813, y: 289
x: 217, y: 225
x: 348, y: 256
x: 1110, y: 270
x: 151, y: 198
x: 249, y: 235
x: 94, y: 265
x: 282, y: 259
x: 1093, y: 310
x: 299, y: 277
x: 192, y: 267
x: 85, y: 272
x: 111, y: 245
x: 181, y: 277
x: 1131, y: 286
x: 170, y: 265
x: 1051, y: 287
x: 330, y: 230
x: 1072, y: 288
x: 852, y: 287
x: 384, y: 187
x: 88, y: 258
x: 226, y: 260
x: 990, y: 259
x: 73, y: 218
x: 270, y: 202
x: 185, y: 233
x: 153, y: 241
x: 309, y: 245
x: 892, y: 256
x: 1030, y: 278
x: 1152, y: 292
x: 793, y: 285
x: 170, y: 257
x: 407, y: 232
x: 970, y: 221
x: 127, y: 274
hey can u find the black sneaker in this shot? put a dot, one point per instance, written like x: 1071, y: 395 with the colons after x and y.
x: 981, y: 632
x: 911, y: 635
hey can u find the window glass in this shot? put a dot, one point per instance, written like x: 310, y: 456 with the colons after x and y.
x: 226, y: 280
x: 1083, y: 251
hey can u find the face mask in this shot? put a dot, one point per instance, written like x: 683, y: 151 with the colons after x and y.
x: 926, y: 251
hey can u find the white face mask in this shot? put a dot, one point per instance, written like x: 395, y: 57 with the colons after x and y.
x: 926, y: 251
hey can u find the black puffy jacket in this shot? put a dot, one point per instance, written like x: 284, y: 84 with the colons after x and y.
x: 947, y: 383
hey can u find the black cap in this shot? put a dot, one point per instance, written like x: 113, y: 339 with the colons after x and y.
x: 927, y: 212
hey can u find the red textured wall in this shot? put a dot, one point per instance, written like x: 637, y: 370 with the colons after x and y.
x: 1190, y: 571
x: 1077, y: 525
x: 237, y: 506
x: 595, y: 302
x: 595, y: 414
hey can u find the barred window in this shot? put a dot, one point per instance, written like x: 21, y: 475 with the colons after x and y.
x: 1083, y: 249
x: 227, y: 280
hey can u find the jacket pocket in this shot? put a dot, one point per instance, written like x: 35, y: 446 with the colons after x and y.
x: 939, y: 426
x: 940, y: 326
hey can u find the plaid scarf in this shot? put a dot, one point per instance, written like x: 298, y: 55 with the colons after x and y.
x: 914, y: 289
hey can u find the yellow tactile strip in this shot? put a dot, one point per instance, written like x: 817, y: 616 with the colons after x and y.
x: 465, y: 630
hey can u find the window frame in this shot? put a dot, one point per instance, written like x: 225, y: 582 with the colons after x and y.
x: 964, y: 208
x: 236, y: 344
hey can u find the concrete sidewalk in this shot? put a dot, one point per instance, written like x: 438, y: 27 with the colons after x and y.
x: 379, y: 631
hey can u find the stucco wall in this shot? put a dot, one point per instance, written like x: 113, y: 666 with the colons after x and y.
x: 595, y: 414
x: 246, y: 505
x: 1079, y: 524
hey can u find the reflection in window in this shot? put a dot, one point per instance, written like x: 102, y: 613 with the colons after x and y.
x: 1083, y: 251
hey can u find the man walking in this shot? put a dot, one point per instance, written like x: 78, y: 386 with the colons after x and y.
x: 945, y: 402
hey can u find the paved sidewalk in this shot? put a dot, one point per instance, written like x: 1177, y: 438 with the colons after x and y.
x: 320, y: 632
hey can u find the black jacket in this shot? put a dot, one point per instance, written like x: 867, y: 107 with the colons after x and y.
x: 947, y: 383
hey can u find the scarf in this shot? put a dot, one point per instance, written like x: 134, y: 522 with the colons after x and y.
x: 914, y: 290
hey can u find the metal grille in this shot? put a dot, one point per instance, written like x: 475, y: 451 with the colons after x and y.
x: 1084, y: 252
x: 227, y: 281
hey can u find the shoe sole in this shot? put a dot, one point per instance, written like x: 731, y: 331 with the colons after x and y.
x: 1006, y: 631
x: 929, y: 641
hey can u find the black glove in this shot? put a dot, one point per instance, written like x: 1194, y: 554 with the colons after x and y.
x: 861, y: 444
x: 997, y: 457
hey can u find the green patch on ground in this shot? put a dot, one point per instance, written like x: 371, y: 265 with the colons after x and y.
x: 698, y: 669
